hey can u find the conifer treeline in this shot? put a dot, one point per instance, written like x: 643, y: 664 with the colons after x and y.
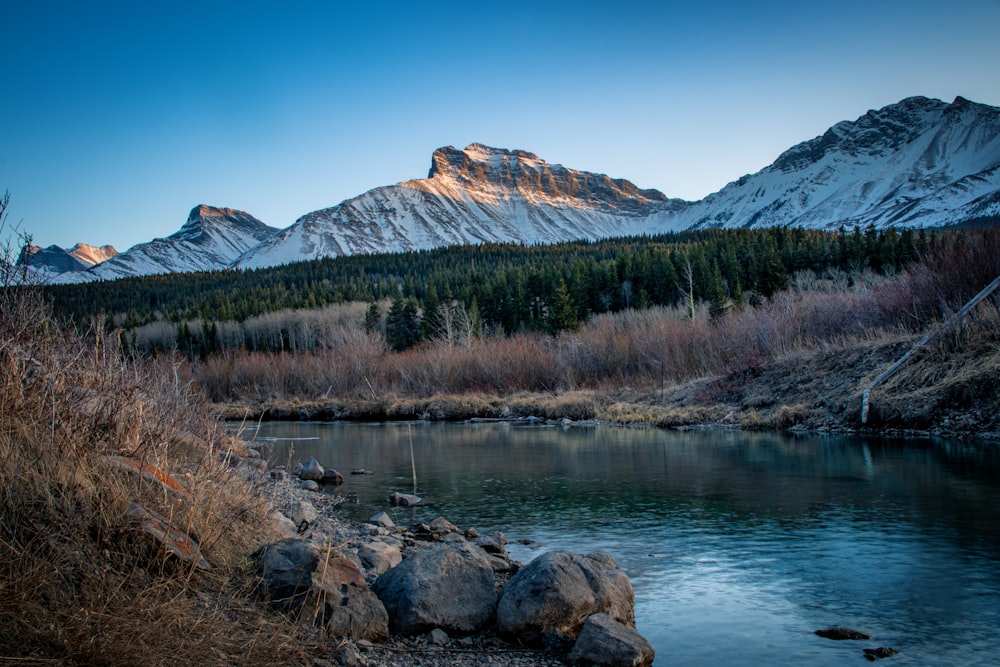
x: 506, y: 287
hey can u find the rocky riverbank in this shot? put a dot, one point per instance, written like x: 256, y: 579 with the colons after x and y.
x: 432, y: 594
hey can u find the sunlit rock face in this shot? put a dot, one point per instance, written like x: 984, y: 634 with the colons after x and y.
x: 479, y: 194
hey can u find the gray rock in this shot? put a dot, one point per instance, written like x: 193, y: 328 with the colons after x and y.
x: 441, y: 526
x: 604, y: 642
x: 311, y: 469
x: 550, y: 598
x: 502, y: 563
x: 437, y: 637
x: 281, y: 525
x: 299, y: 511
x: 309, y: 485
x: 447, y: 586
x: 382, y: 519
x: 379, y: 557
x: 331, y: 477
x: 371, y: 530
x: 492, y: 543
x: 403, y: 499
x: 348, y: 655
x: 326, y: 588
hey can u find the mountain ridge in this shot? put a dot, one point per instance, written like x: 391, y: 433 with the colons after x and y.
x: 920, y: 162
x: 212, y: 238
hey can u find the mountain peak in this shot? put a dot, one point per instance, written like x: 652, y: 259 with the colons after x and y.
x: 89, y: 254
x: 477, y: 160
x: 204, y: 212
x: 483, y: 153
x: 204, y: 218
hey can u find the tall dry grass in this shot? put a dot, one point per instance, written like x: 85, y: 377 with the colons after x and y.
x: 80, y: 583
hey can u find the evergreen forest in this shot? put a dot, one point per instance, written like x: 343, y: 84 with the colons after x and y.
x: 493, y: 288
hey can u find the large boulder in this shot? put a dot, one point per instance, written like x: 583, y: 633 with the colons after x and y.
x: 549, y: 599
x: 321, y: 587
x: 444, y: 585
x: 604, y: 642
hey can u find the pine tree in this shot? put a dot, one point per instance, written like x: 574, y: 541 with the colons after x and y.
x: 562, y: 313
x: 718, y: 300
x: 373, y: 317
x: 402, y: 326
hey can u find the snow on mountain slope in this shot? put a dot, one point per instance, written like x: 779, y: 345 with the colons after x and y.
x: 918, y: 163
x: 212, y: 238
x: 475, y: 195
x: 44, y: 263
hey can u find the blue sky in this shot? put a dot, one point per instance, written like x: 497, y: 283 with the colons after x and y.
x: 119, y: 117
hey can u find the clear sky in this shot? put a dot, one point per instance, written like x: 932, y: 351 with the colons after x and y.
x: 118, y: 117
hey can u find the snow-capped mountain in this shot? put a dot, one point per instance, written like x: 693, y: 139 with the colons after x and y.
x: 475, y: 195
x: 918, y: 163
x: 45, y: 263
x: 51, y: 260
x: 212, y: 238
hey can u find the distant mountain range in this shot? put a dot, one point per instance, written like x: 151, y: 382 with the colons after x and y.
x: 54, y: 260
x: 919, y: 163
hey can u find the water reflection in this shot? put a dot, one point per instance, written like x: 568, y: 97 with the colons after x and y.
x: 739, y: 545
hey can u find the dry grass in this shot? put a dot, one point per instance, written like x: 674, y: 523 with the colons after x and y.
x: 576, y: 405
x: 954, y: 380
x: 80, y: 583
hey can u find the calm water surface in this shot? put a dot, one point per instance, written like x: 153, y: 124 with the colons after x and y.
x: 738, y: 545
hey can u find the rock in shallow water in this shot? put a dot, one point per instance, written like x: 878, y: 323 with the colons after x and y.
x: 311, y: 469
x: 873, y: 654
x: 549, y: 599
x: 604, y: 642
x: 403, y: 499
x: 839, y: 633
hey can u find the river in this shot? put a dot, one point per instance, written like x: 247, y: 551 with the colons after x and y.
x: 738, y: 545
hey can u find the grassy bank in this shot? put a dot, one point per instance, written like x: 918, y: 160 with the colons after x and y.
x: 82, y: 579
